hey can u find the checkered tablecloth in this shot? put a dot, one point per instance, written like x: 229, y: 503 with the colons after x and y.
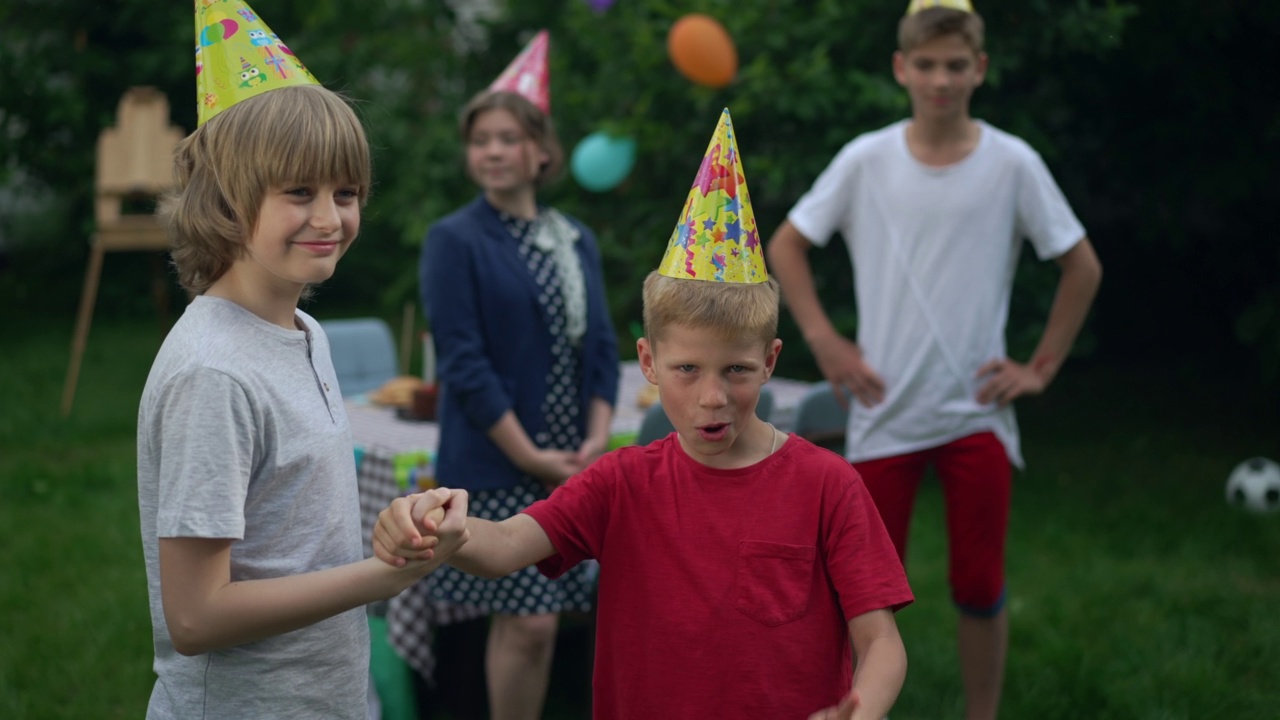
x: 387, y: 448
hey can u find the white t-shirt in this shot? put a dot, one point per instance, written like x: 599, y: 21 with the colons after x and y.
x: 934, y: 251
x: 242, y: 434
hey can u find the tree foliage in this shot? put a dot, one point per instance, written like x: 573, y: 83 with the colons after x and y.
x: 1140, y: 114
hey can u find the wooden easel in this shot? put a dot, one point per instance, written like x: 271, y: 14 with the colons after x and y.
x: 134, y: 162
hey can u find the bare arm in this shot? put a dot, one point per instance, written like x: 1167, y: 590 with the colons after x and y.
x: 880, y: 662
x: 880, y: 666
x: 492, y: 550
x: 552, y: 467
x: 206, y: 611
x: 788, y: 255
x: 497, y: 549
x: 839, y: 359
x: 1081, y: 276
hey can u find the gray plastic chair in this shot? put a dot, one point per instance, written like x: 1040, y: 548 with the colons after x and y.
x: 655, y: 425
x: 363, y: 352
x: 820, y: 419
x: 764, y: 408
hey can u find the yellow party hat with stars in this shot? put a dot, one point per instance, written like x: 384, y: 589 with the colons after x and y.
x: 238, y: 57
x: 528, y: 74
x: 918, y: 5
x: 716, y: 238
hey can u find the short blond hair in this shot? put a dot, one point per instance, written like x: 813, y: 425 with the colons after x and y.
x: 224, y: 170
x: 535, y: 123
x: 931, y: 23
x: 730, y: 310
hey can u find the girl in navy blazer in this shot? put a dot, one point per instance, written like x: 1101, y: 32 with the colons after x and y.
x: 528, y: 369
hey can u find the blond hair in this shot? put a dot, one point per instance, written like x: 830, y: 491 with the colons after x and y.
x: 731, y: 310
x: 931, y: 23
x: 535, y: 123
x: 224, y: 170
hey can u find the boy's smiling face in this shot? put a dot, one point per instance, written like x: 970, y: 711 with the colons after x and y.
x: 940, y: 76
x: 709, y: 387
x: 303, y: 229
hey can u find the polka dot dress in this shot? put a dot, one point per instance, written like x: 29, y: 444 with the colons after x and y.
x: 527, y: 592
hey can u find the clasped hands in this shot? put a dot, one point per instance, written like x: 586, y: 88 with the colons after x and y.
x: 430, y: 526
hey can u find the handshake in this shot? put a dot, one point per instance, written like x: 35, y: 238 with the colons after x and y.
x: 423, y: 527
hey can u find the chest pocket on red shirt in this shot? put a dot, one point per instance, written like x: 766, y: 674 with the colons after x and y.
x: 773, y: 581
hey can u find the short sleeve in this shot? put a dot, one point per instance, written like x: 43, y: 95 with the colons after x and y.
x: 206, y: 442
x: 862, y: 561
x: 576, y: 516
x: 1044, y: 216
x: 824, y: 209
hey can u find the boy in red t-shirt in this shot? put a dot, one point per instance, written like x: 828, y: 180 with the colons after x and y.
x: 738, y: 564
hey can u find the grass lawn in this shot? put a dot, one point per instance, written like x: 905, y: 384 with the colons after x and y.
x: 1134, y: 591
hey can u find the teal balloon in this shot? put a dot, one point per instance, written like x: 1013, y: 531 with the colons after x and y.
x: 601, y: 161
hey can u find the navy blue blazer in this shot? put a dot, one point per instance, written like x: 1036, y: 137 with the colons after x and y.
x: 493, y: 345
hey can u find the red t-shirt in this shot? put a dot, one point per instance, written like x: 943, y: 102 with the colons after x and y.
x: 723, y: 593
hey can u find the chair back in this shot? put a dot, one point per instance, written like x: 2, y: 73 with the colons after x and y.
x: 764, y: 408
x: 363, y: 352
x: 655, y: 425
x: 820, y: 419
x: 134, y: 157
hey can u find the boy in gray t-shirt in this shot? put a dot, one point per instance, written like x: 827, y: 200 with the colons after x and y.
x: 246, y: 475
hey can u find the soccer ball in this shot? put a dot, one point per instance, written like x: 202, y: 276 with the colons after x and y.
x: 1255, y: 485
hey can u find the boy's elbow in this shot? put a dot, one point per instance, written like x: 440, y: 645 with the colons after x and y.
x: 786, y: 245
x: 186, y: 639
x: 191, y: 633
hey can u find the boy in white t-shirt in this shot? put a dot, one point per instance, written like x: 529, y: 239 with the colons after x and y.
x: 933, y: 211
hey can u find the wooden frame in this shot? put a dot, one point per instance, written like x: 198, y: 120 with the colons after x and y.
x: 134, y: 161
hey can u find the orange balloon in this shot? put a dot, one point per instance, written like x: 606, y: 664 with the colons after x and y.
x: 702, y: 50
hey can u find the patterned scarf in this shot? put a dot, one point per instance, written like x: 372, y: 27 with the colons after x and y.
x: 554, y: 234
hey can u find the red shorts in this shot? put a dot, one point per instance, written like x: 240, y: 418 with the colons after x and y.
x: 976, y: 484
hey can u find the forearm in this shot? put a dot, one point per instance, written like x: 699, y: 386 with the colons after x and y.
x: 881, y: 670
x: 599, y: 419
x: 237, y: 613
x: 510, y: 437
x: 497, y: 549
x: 1078, y: 286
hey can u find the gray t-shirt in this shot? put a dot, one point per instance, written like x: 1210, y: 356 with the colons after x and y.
x: 242, y: 434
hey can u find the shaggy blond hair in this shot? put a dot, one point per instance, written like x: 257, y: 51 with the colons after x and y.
x: 729, y: 310
x: 224, y: 170
x: 935, y: 22
x: 536, y: 124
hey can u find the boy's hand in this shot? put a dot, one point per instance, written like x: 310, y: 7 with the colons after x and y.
x: 411, y: 527
x: 844, y: 711
x: 452, y: 530
x: 1007, y: 381
x: 841, y: 363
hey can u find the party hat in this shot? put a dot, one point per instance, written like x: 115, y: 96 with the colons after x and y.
x: 716, y: 238
x: 238, y: 57
x: 918, y: 5
x: 527, y: 75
